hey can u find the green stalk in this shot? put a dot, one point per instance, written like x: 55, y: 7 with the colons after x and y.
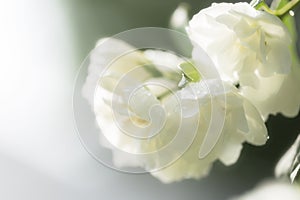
x: 261, y: 4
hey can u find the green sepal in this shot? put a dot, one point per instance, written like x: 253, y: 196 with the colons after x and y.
x: 190, y: 71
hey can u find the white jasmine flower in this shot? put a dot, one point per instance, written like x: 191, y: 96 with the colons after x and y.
x: 152, y: 123
x: 112, y: 58
x: 242, y: 124
x: 242, y: 41
x: 250, y: 48
x: 272, y: 191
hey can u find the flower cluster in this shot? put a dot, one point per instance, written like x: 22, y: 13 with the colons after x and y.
x: 175, y: 116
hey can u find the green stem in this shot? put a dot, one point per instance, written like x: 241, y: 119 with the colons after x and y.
x: 280, y: 12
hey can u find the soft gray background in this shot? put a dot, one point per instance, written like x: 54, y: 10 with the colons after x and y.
x: 43, y: 43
